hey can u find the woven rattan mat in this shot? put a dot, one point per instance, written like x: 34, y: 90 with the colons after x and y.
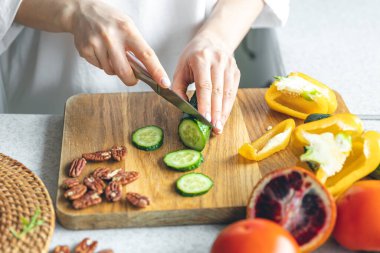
x: 21, y: 193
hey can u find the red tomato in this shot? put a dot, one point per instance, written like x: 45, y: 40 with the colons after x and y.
x: 358, y: 221
x: 255, y: 236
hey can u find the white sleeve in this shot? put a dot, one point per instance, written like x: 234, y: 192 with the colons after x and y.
x: 8, y: 29
x: 275, y: 13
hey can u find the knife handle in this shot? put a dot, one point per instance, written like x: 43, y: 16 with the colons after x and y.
x: 140, y: 71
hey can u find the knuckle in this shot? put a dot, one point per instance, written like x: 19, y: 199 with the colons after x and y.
x: 203, y: 53
x: 217, y: 91
x: 125, y: 24
x: 123, y: 72
x: 220, y: 56
x: 205, y: 85
x: 229, y: 93
x: 86, y: 52
x: 147, y: 54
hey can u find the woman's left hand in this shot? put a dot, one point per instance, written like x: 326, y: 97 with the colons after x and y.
x: 212, y: 66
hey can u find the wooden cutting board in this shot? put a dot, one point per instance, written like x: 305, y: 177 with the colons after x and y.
x: 98, y: 121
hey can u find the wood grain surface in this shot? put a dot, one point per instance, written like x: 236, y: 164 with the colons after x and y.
x: 98, y: 121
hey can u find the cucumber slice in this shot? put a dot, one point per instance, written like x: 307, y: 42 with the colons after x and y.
x: 148, y: 138
x: 194, y: 184
x: 193, y: 133
x: 183, y: 160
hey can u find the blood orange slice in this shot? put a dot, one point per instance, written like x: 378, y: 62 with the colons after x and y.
x: 296, y: 200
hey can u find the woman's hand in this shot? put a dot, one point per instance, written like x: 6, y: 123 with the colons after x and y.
x: 102, y: 36
x: 212, y: 66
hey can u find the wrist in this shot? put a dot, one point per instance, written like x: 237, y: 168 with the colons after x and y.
x: 67, y: 16
x: 215, y: 40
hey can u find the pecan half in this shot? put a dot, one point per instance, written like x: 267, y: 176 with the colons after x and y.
x: 138, y: 200
x: 106, y: 251
x: 113, y: 191
x: 86, y: 246
x: 61, y: 249
x: 95, y: 184
x: 77, y: 167
x: 91, y: 198
x: 118, y: 153
x: 70, y: 182
x: 126, y: 177
x: 75, y: 192
x: 98, y: 156
x: 102, y: 173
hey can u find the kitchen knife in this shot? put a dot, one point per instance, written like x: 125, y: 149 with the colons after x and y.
x: 141, y: 73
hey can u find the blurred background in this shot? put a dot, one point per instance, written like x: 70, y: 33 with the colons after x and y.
x: 335, y: 41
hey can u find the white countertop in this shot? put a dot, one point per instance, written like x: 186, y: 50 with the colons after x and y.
x: 35, y: 140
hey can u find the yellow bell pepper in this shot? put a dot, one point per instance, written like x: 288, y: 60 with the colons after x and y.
x: 299, y: 95
x: 363, y: 159
x: 344, y: 122
x: 360, y: 160
x: 271, y: 142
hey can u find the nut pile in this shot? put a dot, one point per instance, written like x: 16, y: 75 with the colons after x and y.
x: 101, y: 181
x: 85, y: 246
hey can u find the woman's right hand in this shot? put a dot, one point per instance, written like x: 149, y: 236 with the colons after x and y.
x: 102, y: 36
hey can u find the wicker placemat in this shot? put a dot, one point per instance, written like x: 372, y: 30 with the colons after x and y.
x: 21, y: 193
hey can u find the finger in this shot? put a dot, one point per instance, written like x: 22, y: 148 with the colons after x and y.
x: 202, y: 78
x: 217, y: 78
x: 102, y: 55
x: 91, y: 57
x: 231, y: 85
x: 120, y: 64
x: 148, y: 57
x: 179, y: 82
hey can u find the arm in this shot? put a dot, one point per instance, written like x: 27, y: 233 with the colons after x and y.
x: 209, y: 62
x: 102, y: 34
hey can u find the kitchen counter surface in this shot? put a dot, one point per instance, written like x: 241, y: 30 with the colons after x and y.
x: 35, y: 140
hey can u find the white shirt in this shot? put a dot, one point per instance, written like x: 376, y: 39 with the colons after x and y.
x: 40, y: 70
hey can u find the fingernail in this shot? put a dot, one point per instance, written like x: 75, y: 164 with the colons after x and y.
x: 208, y: 116
x: 219, y: 126
x: 166, y: 82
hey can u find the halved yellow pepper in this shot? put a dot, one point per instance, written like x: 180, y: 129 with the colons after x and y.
x: 271, y: 142
x: 363, y: 159
x: 298, y: 105
x: 344, y: 122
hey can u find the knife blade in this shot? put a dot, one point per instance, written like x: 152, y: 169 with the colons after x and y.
x: 141, y: 73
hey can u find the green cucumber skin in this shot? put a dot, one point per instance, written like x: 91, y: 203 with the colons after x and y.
x: 205, y: 130
x: 151, y: 148
x: 316, y: 116
x: 376, y: 173
x: 185, y: 194
x: 189, y: 168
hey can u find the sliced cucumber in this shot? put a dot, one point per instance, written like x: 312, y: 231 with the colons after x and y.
x: 183, y: 160
x: 194, y: 184
x: 148, y: 138
x: 193, y: 133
